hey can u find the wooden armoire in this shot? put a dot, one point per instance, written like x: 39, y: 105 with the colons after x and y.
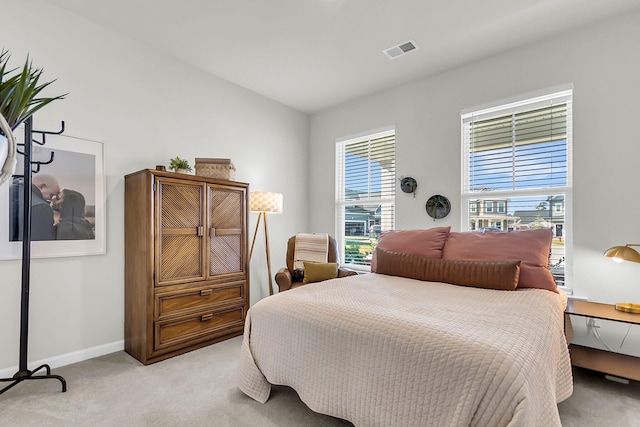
x: 186, y: 262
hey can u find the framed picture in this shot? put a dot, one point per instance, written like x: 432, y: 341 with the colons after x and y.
x: 70, y: 191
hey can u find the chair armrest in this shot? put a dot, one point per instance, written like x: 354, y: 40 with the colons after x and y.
x: 283, y: 279
x: 344, y: 272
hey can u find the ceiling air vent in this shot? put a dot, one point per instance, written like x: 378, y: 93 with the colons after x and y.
x: 401, y: 49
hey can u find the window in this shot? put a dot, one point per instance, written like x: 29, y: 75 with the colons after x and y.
x: 558, y: 207
x: 365, y: 194
x: 520, y: 153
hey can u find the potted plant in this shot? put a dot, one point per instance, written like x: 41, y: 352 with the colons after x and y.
x: 180, y: 165
x: 408, y: 185
x: 438, y: 206
x: 18, y: 101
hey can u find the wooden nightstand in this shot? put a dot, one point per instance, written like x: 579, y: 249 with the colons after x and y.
x: 621, y: 365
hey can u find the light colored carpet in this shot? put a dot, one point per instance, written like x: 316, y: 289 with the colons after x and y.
x: 200, y: 389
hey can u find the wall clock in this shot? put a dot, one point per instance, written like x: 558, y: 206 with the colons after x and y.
x: 438, y: 207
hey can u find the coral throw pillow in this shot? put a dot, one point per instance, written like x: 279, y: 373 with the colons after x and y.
x: 531, y: 247
x: 426, y: 243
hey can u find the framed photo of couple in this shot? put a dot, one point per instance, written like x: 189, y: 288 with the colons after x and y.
x: 68, y: 200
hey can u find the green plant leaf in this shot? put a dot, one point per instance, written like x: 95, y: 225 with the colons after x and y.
x: 19, y: 93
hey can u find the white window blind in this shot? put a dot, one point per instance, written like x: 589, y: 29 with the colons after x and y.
x: 365, y: 194
x: 517, y: 157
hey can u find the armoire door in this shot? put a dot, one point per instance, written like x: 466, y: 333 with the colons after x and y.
x: 227, y: 220
x: 180, y: 232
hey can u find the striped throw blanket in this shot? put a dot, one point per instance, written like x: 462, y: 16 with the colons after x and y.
x: 310, y: 247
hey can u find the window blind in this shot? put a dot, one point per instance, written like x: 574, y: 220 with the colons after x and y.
x: 518, y: 150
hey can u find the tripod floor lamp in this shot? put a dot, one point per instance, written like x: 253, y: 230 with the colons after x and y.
x: 263, y: 203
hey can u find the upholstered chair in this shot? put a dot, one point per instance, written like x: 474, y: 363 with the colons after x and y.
x: 286, y: 277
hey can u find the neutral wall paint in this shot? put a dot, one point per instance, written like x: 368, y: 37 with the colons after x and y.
x: 602, y: 63
x: 146, y: 109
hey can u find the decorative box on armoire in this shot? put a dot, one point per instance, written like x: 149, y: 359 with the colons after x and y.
x: 186, y: 262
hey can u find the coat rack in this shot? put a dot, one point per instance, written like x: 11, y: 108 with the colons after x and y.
x: 30, y: 167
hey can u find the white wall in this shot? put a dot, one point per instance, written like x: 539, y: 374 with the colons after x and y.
x: 601, y: 61
x: 146, y: 109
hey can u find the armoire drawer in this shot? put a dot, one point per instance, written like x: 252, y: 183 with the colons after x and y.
x: 184, y: 301
x: 203, y: 325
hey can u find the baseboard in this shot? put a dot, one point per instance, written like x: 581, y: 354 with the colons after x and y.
x: 68, y: 358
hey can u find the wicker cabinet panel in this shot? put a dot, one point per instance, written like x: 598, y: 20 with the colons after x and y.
x: 180, y: 231
x: 225, y: 254
x: 180, y: 204
x: 223, y: 207
x: 179, y: 258
x: 226, y: 232
x: 186, y: 262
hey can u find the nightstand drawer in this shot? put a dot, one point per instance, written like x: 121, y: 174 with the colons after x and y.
x: 192, y: 329
x: 621, y: 365
x: 184, y: 301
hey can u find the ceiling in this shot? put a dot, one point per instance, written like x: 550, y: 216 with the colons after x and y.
x: 314, y: 54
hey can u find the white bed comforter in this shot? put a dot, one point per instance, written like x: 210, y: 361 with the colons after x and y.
x: 387, y: 351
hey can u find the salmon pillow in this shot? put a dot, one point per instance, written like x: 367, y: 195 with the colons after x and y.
x: 531, y: 247
x: 426, y: 243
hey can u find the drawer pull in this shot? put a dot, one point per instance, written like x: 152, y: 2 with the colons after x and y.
x: 206, y: 317
x: 212, y: 232
x: 205, y: 292
x: 200, y: 231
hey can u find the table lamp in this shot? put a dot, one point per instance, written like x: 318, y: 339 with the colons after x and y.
x: 619, y: 254
x: 263, y: 203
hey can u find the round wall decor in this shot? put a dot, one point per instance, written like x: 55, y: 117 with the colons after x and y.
x: 408, y: 185
x: 438, y: 207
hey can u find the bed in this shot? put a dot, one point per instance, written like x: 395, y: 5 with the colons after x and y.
x: 386, y: 350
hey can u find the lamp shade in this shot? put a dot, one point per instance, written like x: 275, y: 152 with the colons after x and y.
x: 623, y: 253
x: 261, y: 201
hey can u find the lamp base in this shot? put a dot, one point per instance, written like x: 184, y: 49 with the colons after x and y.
x: 628, y: 307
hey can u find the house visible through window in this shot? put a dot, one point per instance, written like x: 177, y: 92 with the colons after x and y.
x: 516, y: 161
x: 365, y: 190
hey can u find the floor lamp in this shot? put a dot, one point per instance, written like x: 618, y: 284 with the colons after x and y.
x: 263, y: 203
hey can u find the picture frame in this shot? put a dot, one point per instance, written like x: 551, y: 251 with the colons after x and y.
x: 78, y: 164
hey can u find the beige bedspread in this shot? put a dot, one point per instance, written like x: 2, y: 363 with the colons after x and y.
x: 380, y: 350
